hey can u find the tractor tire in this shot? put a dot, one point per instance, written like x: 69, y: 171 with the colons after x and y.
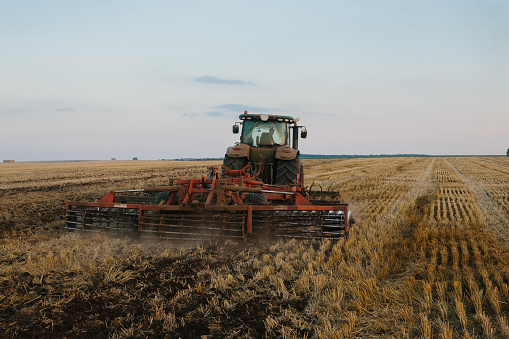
x: 255, y: 199
x: 162, y: 198
x: 286, y: 171
x: 233, y: 163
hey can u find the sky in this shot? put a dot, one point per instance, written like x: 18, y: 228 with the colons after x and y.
x: 168, y: 79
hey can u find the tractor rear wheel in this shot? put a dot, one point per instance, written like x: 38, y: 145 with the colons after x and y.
x: 233, y: 163
x: 286, y: 171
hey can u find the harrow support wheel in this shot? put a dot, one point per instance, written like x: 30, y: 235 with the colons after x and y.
x: 162, y: 198
x: 255, y: 199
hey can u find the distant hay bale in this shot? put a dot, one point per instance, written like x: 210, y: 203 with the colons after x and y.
x: 9, y: 161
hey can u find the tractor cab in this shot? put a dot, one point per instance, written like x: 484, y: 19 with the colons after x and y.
x: 266, y: 130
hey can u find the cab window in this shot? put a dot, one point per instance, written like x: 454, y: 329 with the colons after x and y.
x: 264, y: 133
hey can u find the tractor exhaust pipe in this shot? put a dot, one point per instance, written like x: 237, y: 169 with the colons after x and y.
x: 295, y: 137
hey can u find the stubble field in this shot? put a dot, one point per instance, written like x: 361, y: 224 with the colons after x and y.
x: 428, y: 257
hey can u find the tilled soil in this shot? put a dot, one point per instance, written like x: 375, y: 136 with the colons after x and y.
x: 60, y: 305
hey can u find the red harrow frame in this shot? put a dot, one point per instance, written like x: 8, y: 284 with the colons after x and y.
x: 212, y: 207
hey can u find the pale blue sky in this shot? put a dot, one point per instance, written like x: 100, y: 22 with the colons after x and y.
x: 167, y: 79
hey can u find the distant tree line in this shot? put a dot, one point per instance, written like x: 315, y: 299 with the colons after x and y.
x: 339, y: 156
x: 192, y: 159
x: 318, y: 156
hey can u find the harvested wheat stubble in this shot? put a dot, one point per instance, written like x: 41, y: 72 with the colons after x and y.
x: 421, y: 260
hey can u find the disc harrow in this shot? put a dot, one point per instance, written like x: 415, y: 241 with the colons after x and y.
x: 213, y: 207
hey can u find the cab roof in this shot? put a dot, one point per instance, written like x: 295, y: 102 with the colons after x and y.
x: 267, y: 117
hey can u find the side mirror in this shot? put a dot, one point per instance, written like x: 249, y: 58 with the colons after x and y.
x: 303, y: 133
x: 235, y: 129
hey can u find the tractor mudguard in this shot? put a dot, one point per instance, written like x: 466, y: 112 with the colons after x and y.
x: 238, y: 151
x: 286, y: 153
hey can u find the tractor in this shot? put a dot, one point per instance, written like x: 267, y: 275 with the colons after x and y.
x: 258, y: 193
x: 270, y: 145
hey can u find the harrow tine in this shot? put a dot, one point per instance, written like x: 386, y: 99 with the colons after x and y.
x: 332, y: 183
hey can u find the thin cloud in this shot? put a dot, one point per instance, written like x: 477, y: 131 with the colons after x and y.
x: 212, y: 114
x: 215, y: 80
x: 14, y: 111
x: 242, y: 108
x: 215, y: 114
x: 38, y: 102
x: 64, y: 109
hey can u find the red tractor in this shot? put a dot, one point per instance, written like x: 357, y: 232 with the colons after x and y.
x: 258, y: 193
